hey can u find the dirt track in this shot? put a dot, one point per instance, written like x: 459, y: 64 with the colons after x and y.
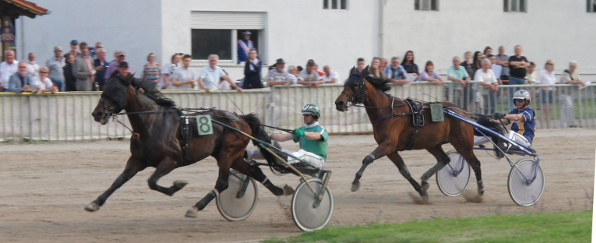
x: 45, y: 187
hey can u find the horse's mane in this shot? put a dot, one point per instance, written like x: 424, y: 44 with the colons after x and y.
x: 144, y: 87
x: 379, y: 83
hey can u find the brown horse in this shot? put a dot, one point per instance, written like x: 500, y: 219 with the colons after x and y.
x: 157, y: 140
x: 393, y: 133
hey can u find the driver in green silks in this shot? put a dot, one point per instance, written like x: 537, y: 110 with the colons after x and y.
x: 312, y: 139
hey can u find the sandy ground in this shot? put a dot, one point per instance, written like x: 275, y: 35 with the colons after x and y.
x: 44, y: 188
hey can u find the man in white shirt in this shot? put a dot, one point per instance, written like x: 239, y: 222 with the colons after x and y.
x: 32, y: 67
x: 329, y: 77
x: 209, y: 75
x: 489, y: 80
x: 7, y: 68
x: 183, y: 77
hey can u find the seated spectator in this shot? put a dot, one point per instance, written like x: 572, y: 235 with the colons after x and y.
x: 383, y: 64
x: 278, y: 76
x: 531, y: 75
x: 395, y: 72
x: 430, y: 75
x: 375, y: 69
x: 41, y: 83
x: 328, y: 76
x: 495, y: 67
x: 69, y: 79
x: 360, y: 64
x: 309, y: 76
x: 546, y: 76
x: 569, y: 76
x: 183, y: 77
x: 409, y: 65
x: 316, y: 68
x: 19, y: 81
x: 459, y: 76
x: 488, y: 80
x: 252, y: 71
x: 32, y: 67
x: 212, y: 73
x: 152, y: 70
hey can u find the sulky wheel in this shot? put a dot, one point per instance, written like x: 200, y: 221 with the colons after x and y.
x: 306, y: 216
x: 521, y: 191
x: 232, y: 206
x: 455, y: 176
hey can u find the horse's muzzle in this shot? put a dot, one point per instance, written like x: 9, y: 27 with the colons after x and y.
x: 100, y: 116
x: 340, y: 105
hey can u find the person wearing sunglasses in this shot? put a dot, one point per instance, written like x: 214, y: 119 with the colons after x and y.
x: 41, y: 83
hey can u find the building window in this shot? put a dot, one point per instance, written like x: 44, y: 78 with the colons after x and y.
x: 335, y: 4
x: 591, y: 6
x: 221, y: 42
x: 515, y: 6
x: 432, y: 5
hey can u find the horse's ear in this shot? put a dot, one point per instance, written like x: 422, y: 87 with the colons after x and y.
x: 364, y: 72
x: 353, y: 71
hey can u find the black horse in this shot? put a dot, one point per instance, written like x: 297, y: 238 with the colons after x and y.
x: 157, y: 140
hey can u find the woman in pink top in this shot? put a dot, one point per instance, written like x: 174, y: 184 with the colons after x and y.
x: 430, y: 75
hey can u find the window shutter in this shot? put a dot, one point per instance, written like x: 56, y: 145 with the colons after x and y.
x: 227, y: 20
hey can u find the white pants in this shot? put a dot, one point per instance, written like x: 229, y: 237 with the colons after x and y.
x: 312, y: 159
x: 512, y: 135
x: 567, y: 111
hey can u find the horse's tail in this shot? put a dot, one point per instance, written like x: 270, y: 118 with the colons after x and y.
x: 259, y: 133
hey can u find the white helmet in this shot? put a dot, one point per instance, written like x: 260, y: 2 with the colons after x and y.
x: 522, y: 95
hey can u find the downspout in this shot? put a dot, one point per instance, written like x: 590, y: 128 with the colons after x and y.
x: 22, y: 39
x: 381, y: 34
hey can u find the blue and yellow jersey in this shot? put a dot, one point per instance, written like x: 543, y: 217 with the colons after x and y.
x: 525, y: 128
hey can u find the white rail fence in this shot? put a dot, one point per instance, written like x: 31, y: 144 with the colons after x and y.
x: 67, y: 116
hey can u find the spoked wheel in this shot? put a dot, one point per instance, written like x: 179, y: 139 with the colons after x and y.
x: 521, y: 191
x: 306, y: 216
x: 455, y: 176
x: 233, y: 206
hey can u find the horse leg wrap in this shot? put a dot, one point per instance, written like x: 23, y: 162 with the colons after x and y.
x: 368, y: 159
x: 480, y: 188
x: 274, y: 189
x: 432, y: 171
x: 207, y: 199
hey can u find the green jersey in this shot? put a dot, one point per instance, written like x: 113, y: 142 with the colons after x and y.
x: 318, y: 147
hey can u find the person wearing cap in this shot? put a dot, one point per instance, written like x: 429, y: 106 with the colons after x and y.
x: 74, y: 48
x: 309, y: 76
x: 120, y: 57
x: 123, y: 69
x: 312, y: 139
x: 209, y: 75
x: 56, y: 64
x: 244, y: 46
x: 83, y: 70
x: 278, y: 76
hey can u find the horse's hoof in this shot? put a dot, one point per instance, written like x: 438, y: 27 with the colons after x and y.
x: 180, y: 184
x: 355, y: 186
x: 288, y: 190
x: 192, y: 212
x: 92, y: 207
x: 425, y: 186
x: 480, y: 192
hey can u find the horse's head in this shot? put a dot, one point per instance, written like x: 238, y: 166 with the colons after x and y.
x: 354, y: 90
x: 114, y: 98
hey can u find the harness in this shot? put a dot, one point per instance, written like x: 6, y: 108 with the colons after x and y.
x: 417, y: 120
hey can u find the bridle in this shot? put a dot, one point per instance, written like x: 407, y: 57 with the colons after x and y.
x: 359, y: 94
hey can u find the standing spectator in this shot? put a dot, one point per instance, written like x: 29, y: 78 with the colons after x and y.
x: 469, y: 92
x: 309, y: 76
x: 74, y: 48
x: 252, y: 71
x: 546, y: 76
x: 316, y: 68
x: 152, y: 71
x: 360, y: 64
x: 409, y: 65
x: 489, y: 80
x: 56, y: 64
x: 7, y: 68
x: 293, y: 70
x: 93, y: 53
x: 244, y: 46
x: 114, y: 65
x: 168, y: 70
x: 329, y: 76
x: 82, y: 69
x: 32, y: 67
x: 496, y: 67
x: 277, y: 75
x: 210, y: 75
x: 569, y: 76
x: 460, y: 78
x: 395, y: 72
x: 115, y: 60
x: 41, y: 83
x: 383, y: 64
x: 477, y: 64
x: 375, y: 69
x: 19, y: 81
x: 488, y: 52
x: 517, y: 72
x: 531, y: 75
x: 430, y: 75
x: 101, y: 66
x: 69, y: 79
x: 503, y: 60
x: 183, y: 77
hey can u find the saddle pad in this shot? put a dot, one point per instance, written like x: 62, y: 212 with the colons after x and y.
x: 436, y: 112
